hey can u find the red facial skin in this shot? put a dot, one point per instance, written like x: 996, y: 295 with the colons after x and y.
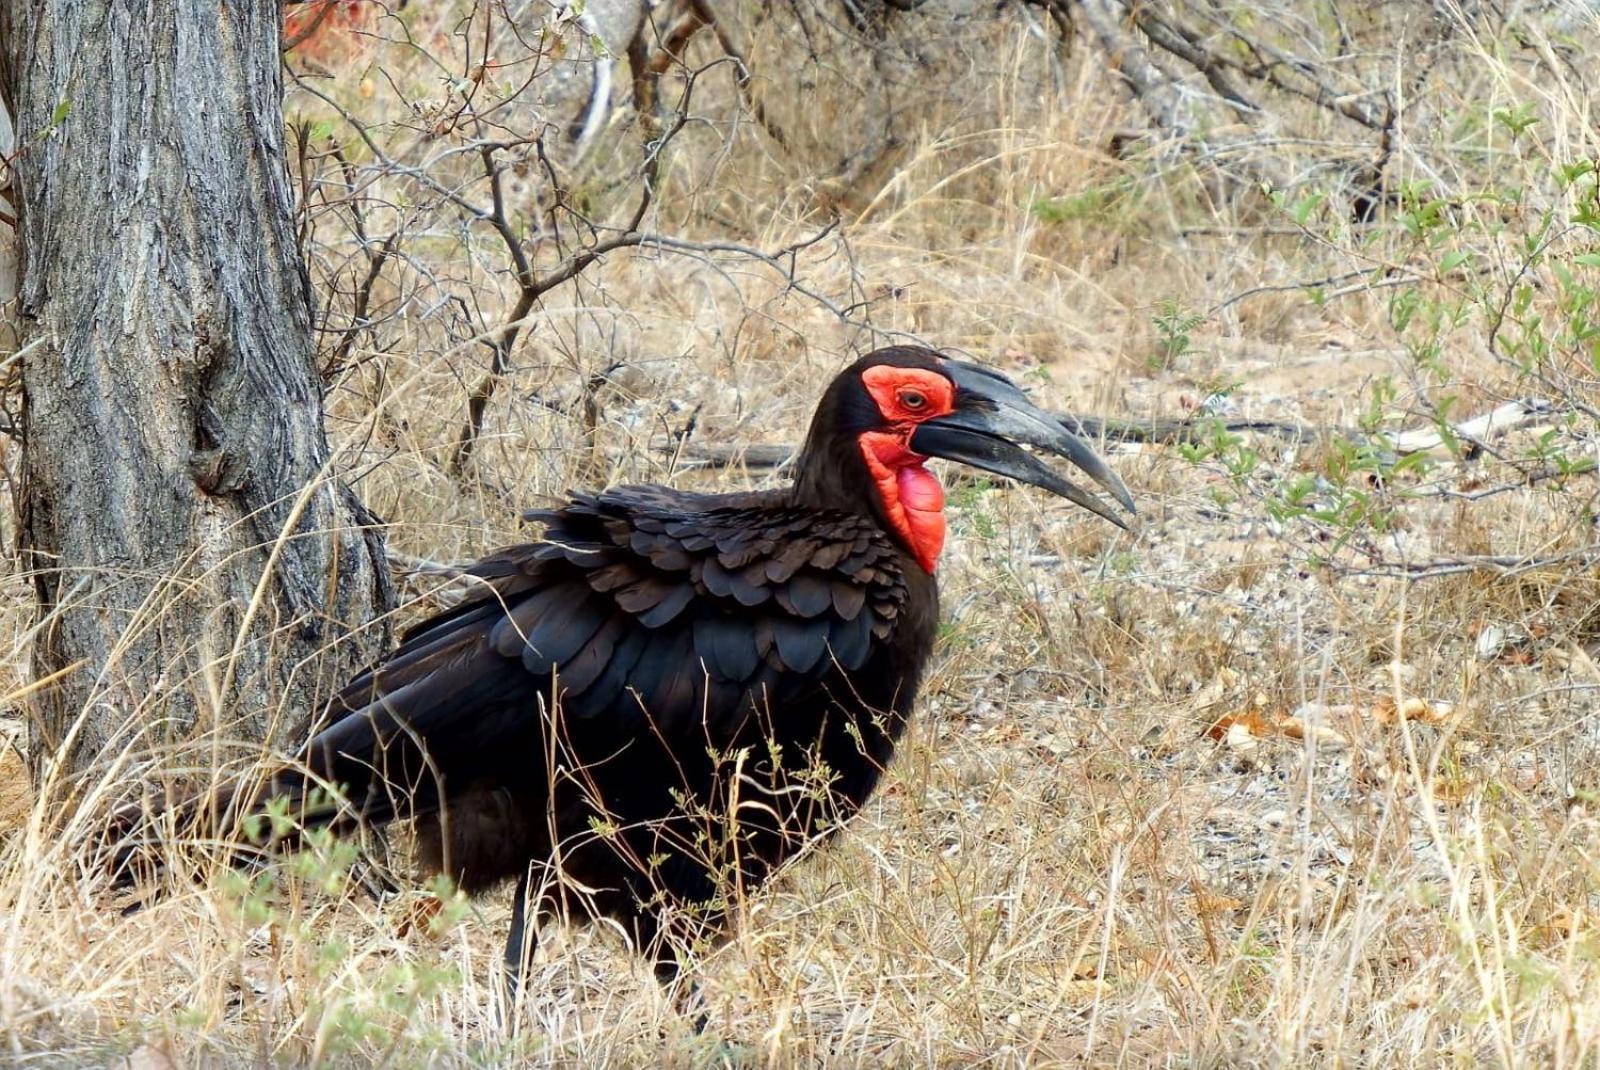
x: 912, y: 498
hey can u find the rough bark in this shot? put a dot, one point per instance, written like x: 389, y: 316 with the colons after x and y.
x: 174, y: 449
x: 8, y: 233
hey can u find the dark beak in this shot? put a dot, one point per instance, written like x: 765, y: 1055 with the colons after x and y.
x: 991, y: 424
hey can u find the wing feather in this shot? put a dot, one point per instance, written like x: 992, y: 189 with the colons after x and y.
x: 800, y: 643
x: 651, y: 610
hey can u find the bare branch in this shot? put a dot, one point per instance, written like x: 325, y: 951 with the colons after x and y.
x: 532, y: 288
x: 310, y: 29
x: 363, y: 301
x: 1499, y: 564
x: 1177, y: 39
x: 1155, y: 91
x: 702, y: 8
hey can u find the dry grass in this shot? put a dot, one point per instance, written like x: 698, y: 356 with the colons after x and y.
x: 1064, y: 867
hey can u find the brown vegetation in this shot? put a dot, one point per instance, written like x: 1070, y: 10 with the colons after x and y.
x: 1395, y: 231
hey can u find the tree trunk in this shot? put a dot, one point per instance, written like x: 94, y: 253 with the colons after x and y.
x: 197, y: 567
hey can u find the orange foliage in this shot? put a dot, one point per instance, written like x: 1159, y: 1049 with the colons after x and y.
x: 332, y: 33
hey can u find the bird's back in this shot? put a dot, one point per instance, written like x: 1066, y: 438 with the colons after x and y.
x: 667, y: 692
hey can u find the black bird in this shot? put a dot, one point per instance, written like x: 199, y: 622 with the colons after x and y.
x: 642, y: 715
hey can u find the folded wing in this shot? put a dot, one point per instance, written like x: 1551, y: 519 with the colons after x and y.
x: 642, y: 610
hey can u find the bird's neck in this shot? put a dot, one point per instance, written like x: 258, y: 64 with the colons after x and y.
x: 876, y: 473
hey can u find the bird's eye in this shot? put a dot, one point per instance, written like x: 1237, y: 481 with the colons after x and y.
x: 913, y: 400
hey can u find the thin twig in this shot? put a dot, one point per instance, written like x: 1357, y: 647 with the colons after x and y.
x: 1499, y: 564
x: 310, y: 29
x: 702, y: 8
x: 411, y: 565
x: 532, y: 288
x: 1312, y: 284
x: 363, y: 300
x: 1177, y: 39
x: 1270, y: 61
x: 1522, y: 482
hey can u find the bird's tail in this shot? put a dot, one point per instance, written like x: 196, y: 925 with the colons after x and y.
x: 367, y: 763
x: 244, y: 821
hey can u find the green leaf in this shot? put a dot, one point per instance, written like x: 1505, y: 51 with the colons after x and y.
x: 1567, y: 174
x: 1303, y: 208
x: 56, y: 118
x: 1517, y: 120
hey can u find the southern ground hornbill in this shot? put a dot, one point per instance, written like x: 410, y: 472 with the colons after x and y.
x: 643, y: 714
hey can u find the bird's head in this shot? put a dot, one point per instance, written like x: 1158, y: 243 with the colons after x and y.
x: 890, y: 411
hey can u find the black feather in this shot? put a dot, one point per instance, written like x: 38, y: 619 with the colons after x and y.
x: 727, y: 647
x: 585, y: 667
x: 809, y: 595
x: 848, y: 598
x: 800, y: 643
x: 510, y: 635
x: 604, y: 693
x: 787, y: 561
x: 662, y: 659
x: 671, y: 558
x: 716, y: 579
x: 615, y: 575
x: 849, y: 640
x: 671, y: 604
x: 645, y: 594
x: 562, y: 632
x: 748, y: 591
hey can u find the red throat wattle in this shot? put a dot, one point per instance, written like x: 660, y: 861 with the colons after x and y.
x: 913, y: 500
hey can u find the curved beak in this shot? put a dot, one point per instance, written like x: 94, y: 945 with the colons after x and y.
x: 991, y: 424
